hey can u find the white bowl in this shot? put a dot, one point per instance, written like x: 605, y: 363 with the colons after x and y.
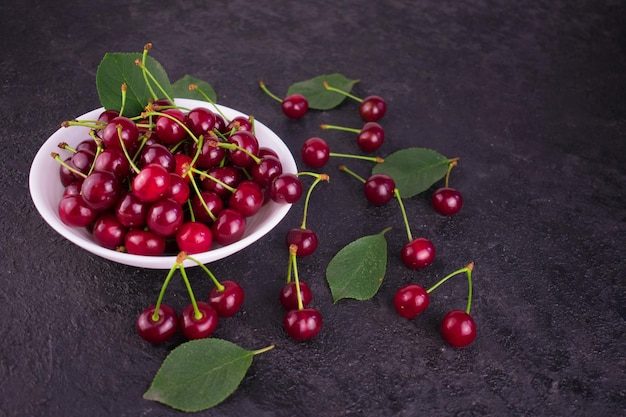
x: 46, y: 191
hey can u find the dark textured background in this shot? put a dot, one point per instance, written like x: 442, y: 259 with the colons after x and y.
x: 529, y: 94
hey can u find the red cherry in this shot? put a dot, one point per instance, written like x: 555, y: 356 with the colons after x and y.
x: 228, y: 301
x: 418, y: 253
x: 194, y: 237
x: 379, y: 189
x: 289, y: 295
x: 372, y: 108
x: 200, y: 121
x: 295, y: 106
x: 304, y: 239
x: 315, y: 152
x: 303, y: 324
x: 458, y: 328
x: 247, y: 198
x: 151, y: 183
x: 144, y: 242
x: 411, y: 300
x: 371, y: 137
x: 198, y: 327
x: 74, y: 212
x: 128, y: 133
x: 447, y: 201
x: 286, y: 188
x: 101, y: 190
x: 108, y: 232
x: 229, y: 227
x: 160, y: 330
x: 165, y: 217
x: 170, y: 129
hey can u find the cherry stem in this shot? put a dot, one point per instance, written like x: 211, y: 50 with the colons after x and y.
x: 293, y: 249
x: 123, y: 88
x: 269, y: 93
x: 92, y: 124
x: 188, y: 172
x: 376, y: 159
x: 396, y: 192
x: 211, y: 177
x: 179, y: 259
x: 98, y: 152
x: 194, y: 87
x: 346, y: 129
x: 354, y: 174
x: 217, y: 284
x: 345, y: 93
x: 170, y: 274
x: 234, y: 146
x: 169, y: 116
x: 318, y: 178
x: 265, y: 349
x: 130, y: 160
x: 146, y: 48
x: 451, y: 165
x: 57, y: 157
x: 467, y: 270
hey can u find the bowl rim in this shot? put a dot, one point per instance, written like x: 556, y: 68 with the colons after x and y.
x: 39, y: 169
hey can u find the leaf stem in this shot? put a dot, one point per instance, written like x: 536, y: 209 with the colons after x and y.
x: 345, y: 93
x: 263, y: 350
x: 396, y: 192
x: 269, y: 93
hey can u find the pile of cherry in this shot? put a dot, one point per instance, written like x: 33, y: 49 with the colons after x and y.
x: 167, y: 181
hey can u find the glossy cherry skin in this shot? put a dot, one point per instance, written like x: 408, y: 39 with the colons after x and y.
x: 228, y: 301
x: 165, y: 217
x: 458, y: 328
x: 304, y: 239
x: 198, y: 328
x: 288, y: 296
x: 82, y: 162
x: 285, y: 188
x: 447, y: 201
x: 158, y: 331
x: 129, y: 134
x: 130, y: 211
x: 229, y: 226
x: 74, y: 212
x: 295, y: 106
x: 315, y: 152
x: 379, y: 189
x: 158, y: 154
x: 213, y: 203
x: 244, y: 140
x: 238, y: 124
x: 303, y: 324
x: 194, y: 237
x: 200, y: 121
x: 152, y: 183
x: 144, y: 242
x: 170, y: 130
x: 372, y: 108
x: 265, y: 171
x: 371, y: 137
x: 183, y: 164
x: 418, y: 253
x: 227, y: 174
x: 179, y: 189
x: 113, y: 160
x: 411, y: 300
x: 108, y: 232
x: 101, y: 190
x: 247, y: 198
x: 210, y: 156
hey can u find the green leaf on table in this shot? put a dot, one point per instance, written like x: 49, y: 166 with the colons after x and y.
x: 414, y: 170
x: 116, y: 69
x: 318, y: 96
x: 181, y: 89
x: 200, y: 374
x: 358, y: 269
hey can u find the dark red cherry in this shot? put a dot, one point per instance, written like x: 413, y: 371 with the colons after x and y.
x: 372, y: 108
x: 411, y: 300
x: 245, y: 140
x: 101, y: 190
x: 108, y: 232
x: 447, y: 201
x: 170, y: 129
x: 200, y: 121
x: 194, y: 327
x: 289, y: 295
x: 160, y: 330
x: 379, y: 189
x: 206, y: 200
x: 295, y: 106
x: 113, y: 160
x: 152, y: 183
x: 286, y: 188
x: 157, y: 154
x: 227, y: 174
x: 303, y: 324
x: 179, y: 189
x: 239, y: 124
x: 144, y: 242
x: 130, y: 211
x: 304, y: 239
x: 371, y: 137
x: 194, y: 237
x: 315, y: 152
x: 418, y: 253
x: 210, y: 156
x: 247, y: 198
x: 74, y: 212
x: 128, y: 134
x: 229, y: 227
x: 265, y: 171
x: 228, y: 301
x: 165, y: 217
x: 458, y: 328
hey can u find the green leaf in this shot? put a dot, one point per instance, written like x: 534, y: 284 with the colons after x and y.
x: 200, y: 374
x: 414, y: 170
x: 118, y: 68
x: 358, y: 269
x: 318, y: 97
x: 181, y: 89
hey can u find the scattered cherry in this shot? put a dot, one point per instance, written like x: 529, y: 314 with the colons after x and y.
x: 304, y: 239
x: 411, y: 300
x: 194, y: 237
x: 371, y: 108
x: 227, y: 300
x: 303, y: 324
x: 288, y: 296
x: 418, y: 253
x: 369, y: 138
x: 294, y: 106
x: 198, y: 326
x: 447, y: 201
x: 458, y: 328
x: 285, y: 188
x: 157, y: 328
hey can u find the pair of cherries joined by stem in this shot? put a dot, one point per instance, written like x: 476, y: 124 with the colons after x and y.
x: 458, y: 328
x: 160, y: 322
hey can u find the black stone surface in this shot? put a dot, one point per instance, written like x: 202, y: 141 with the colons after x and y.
x: 530, y: 95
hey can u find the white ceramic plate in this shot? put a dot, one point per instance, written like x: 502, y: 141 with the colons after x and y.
x: 46, y: 191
